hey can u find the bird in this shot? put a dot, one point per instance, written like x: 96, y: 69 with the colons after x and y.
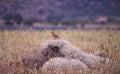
x: 55, y: 35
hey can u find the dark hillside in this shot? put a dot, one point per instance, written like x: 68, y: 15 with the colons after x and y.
x: 59, y: 10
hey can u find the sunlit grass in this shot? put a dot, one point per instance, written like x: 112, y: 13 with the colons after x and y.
x: 14, y: 43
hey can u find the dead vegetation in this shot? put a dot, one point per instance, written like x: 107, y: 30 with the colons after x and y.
x: 13, y: 44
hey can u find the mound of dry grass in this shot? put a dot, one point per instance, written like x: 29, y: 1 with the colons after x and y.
x: 37, y: 59
x: 62, y: 65
x: 71, y: 51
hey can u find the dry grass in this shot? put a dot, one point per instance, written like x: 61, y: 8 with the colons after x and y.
x: 13, y: 44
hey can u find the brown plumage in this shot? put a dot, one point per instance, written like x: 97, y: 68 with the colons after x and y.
x: 55, y: 35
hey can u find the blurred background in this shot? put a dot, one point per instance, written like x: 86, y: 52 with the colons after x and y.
x: 59, y: 14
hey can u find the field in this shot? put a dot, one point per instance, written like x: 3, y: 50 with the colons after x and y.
x: 13, y: 44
